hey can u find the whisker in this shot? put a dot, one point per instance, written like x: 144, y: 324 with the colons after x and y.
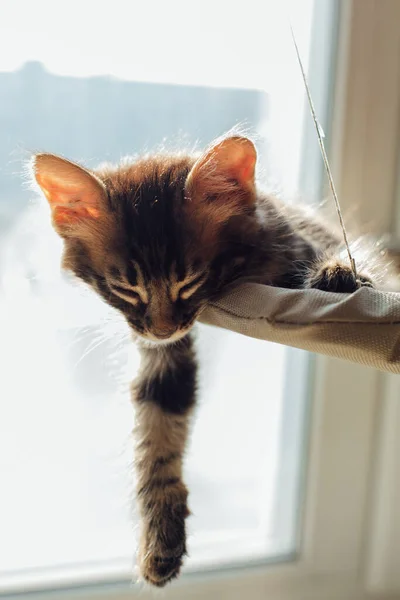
x: 90, y: 349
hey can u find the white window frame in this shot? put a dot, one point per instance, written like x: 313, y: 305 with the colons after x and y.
x: 350, y: 542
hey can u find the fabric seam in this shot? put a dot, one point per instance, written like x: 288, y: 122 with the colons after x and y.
x: 326, y: 322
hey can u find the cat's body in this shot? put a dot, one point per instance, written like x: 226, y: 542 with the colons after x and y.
x: 158, y: 239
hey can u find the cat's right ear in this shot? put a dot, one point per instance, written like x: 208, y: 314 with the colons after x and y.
x: 75, y: 195
x: 221, y: 182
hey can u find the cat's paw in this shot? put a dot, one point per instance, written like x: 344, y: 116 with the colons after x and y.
x: 158, y: 570
x: 163, y: 543
x: 334, y: 276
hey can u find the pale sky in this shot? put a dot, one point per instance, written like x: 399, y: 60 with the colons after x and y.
x: 244, y: 44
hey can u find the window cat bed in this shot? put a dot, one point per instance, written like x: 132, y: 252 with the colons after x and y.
x: 363, y: 327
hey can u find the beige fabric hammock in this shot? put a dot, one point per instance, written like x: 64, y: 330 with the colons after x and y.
x: 363, y: 327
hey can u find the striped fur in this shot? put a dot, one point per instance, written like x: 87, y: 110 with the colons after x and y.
x: 158, y: 238
x: 164, y: 393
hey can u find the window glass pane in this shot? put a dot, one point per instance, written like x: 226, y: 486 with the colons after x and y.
x: 65, y: 415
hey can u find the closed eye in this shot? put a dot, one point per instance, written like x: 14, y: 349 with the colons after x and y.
x: 132, y: 296
x: 190, y: 288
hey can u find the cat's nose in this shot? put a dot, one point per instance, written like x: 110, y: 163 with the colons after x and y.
x: 163, y: 334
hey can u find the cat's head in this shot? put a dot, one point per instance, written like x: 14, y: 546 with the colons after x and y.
x: 155, y: 237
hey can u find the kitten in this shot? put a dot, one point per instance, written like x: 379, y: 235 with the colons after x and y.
x: 158, y: 239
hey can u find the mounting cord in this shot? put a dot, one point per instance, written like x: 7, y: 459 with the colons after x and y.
x: 324, y: 156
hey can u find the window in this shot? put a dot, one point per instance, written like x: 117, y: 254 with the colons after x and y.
x: 65, y: 421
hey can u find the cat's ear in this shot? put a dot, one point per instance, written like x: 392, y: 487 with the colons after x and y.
x: 222, y: 179
x: 75, y: 195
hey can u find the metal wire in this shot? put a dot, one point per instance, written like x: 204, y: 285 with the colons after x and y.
x: 324, y: 156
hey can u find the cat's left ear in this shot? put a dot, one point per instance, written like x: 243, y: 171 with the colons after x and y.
x: 75, y: 195
x: 222, y: 180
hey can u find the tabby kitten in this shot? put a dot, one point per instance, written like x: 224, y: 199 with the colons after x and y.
x: 159, y: 238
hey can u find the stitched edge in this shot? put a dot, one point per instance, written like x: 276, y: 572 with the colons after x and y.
x: 298, y: 324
